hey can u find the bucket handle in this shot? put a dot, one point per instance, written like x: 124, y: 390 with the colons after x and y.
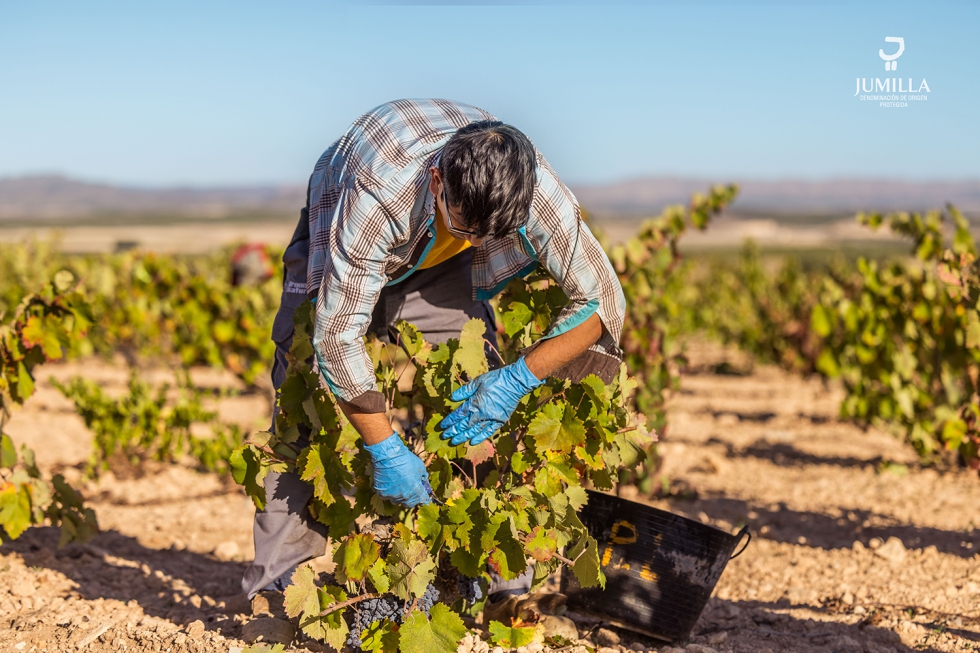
x: 738, y: 537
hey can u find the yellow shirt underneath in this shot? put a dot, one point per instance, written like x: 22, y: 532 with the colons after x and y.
x: 445, y: 247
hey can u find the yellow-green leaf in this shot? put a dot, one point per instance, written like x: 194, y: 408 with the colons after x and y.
x: 440, y: 633
x: 355, y: 556
x: 471, y: 357
x: 513, y: 636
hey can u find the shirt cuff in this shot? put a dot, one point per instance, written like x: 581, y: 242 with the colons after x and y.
x: 371, y: 401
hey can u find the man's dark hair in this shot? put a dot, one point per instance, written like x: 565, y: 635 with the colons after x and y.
x: 488, y: 170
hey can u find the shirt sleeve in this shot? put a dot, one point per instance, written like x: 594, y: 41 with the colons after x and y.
x: 360, y: 236
x: 564, y: 245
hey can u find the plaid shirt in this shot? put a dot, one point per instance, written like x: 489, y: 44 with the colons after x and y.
x: 372, y: 221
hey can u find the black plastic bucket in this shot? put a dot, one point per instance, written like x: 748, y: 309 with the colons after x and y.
x: 660, y: 567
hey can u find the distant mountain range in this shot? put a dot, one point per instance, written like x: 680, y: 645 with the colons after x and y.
x: 647, y: 196
x: 62, y: 199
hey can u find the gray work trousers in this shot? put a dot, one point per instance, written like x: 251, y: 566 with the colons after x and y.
x: 438, y: 301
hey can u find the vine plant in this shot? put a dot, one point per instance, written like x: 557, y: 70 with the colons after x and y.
x: 905, y: 337
x: 648, y: 269
x: 403, y: 576
x: 150, y: 423
x: 41, y: 327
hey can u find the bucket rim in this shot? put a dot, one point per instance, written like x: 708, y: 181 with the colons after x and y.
x: 694, y: 522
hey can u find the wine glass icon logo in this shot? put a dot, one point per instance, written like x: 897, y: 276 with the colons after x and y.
x: 890, y: 59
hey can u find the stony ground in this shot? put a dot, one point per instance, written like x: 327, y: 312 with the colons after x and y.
x: 855, y: 548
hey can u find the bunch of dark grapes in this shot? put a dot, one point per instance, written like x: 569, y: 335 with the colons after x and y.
x: 354, y: 639
x: 469, y: 588
x: 370, y: 611
x: 385, y: 607
x: 427, y: 600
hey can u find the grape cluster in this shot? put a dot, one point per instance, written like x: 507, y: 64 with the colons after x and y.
x: 354, y: 638
x: 370, y: 611
x: 469, y: 588
x: 427, y: 600
x: 385, y: 607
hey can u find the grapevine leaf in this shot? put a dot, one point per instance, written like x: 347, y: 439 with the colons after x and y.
x: 301, y: 348
x: 25, y: 382
x: 577, y: 497
x: 489, y: 538
x: 223, y: 331
x: 248, y: 471
x: 547, y: 482
x: 305, y: 600
x: 296, y: 389
x: 513, y: 636
x: 410, y: 568
x: 301, y: 595
x: 412, y: 341
x: 54, y: 331
x: 8, y: 453
x: 355, y: 556
x: 303, y: 320
x: 312, y: 471
x: 15, y: 509
x: 326, y: 413
x: 821, y: 321
x: 973, y: 334
x: 457, y: 510
x: 379, y: 577
x: 519, y: 464
x: 559, y: 506
x: 516, y: 316
x: 322, y: 467
x: 601, y: 479
x: 434, y: 442
x: 62, y: 280
x: 543, y: 571
x: 32, y: 333
x: 380, y: 637
x: 954, y: 432
x: 586, y: 568
x: 507, y: 559
x: 468, y: 563
x: 556, y: 428
x: 629, y: 453
x: 596, y: 389
x: 471, y: 357
x: 591, y: 453
x: 480, y: 453
x: 332, y: 629
x: 30, y: 462
x: 827, y: 363
x: 78, y: 523
x: 541, y: 544
x: 339, y: 517
x: 427, y: 522
x: 627, y: 384
x: 440, y: 633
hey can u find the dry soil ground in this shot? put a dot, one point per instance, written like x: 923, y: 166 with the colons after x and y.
x: 846, y: 555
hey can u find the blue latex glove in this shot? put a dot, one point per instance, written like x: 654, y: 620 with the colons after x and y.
x: 399, y: 475
x: 490, y: 400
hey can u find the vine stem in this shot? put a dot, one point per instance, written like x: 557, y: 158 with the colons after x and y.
x: 462, y: 472
x: 568, y: 561
x: 348, y: 603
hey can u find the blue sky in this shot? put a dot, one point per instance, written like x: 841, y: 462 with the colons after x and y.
x: 245, y: 92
